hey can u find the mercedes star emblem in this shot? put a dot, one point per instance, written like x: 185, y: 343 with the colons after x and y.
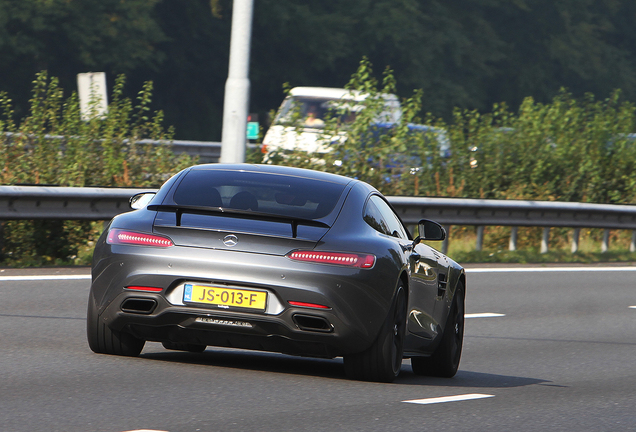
x: 230, y: 240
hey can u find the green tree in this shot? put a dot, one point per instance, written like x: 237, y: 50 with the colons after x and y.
x: 462, y: 53
x: 445, y: 48
x: 583, y: 45
x: 53, y: 145
x: 67, y: 37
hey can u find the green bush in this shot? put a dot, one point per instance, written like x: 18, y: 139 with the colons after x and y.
x: 52, y: 145
x: 568, y: 150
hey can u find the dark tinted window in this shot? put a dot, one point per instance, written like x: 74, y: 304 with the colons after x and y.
x: 260, y: 192
x: 380, y: 216
x: 373, y: 217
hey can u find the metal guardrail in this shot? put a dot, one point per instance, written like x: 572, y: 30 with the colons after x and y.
x: 480, y: 212
x: 547, y: 214
x: 206, y: 151
x: 49, y: 202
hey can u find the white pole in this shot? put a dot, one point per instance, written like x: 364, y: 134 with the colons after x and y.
x: 575, y: 239
x: 479, y: 244
x: 445, y: 242
x: 605, y: 244
x: 512, y: 243
x: 237, y: 86
x: 545, y: 240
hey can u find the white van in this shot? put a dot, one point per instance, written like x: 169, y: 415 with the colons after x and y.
x: 309, y: 106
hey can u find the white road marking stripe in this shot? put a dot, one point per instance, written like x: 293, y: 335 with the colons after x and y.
x: 146, y: 430
x: 457, y: 398
x: 42, y: 278
x: 632, y: 307
x: 547, y: 269
x: 484, y: 315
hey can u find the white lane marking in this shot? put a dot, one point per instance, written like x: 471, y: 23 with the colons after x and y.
x: 632, y: 307
x: 547, y: 269
x: 457, y: 398
x: 484, y: 315
x: 41, y: 278
x: 146, y: 430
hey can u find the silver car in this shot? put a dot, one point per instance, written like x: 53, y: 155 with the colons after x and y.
x: 277, y: 259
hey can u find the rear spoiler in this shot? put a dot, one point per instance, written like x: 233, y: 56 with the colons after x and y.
x: 243, y: 214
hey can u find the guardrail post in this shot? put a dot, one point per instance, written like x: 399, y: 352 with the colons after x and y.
x: 545, y: 240
x: 605, y: 244
x: 575, y: 239
x: 480, y: 238
x: 445, y: 242
x: 512, y: 244
x: 632, y: 245
x: 412, y: 229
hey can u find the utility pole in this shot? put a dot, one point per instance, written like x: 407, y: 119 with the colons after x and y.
x: 237, y: 86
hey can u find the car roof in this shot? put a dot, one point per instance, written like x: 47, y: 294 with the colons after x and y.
x: 278, y: 169
x: 334, y: 93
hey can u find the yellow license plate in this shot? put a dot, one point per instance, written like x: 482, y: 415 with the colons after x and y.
x: 215, y: 295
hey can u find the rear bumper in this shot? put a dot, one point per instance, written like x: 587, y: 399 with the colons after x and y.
x: 296, y: 331
x: 358, y: 301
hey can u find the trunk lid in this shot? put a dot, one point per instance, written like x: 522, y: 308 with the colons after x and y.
x: 237, y: 231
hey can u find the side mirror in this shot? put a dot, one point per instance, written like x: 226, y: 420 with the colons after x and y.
x: 429, y: 230
x: 141, y: 200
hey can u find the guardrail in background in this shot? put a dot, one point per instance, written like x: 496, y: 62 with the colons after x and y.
x: 513, y: 213
x: 206, y: 151
x: 49, y: 202
x: 52, y: 202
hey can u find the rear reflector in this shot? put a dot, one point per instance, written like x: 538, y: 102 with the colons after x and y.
x: 117, y: 236
x: 308, y: 305
x: 339, y: 258
x: 144, y: 288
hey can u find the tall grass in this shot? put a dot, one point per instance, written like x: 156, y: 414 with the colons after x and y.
x: 571, y: 149
x: 52, y: 145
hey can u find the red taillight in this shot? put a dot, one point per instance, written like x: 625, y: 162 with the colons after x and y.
x: 365, y: 261
x: 308, y: 305
x: 117, y: 236
x: 144, y: 288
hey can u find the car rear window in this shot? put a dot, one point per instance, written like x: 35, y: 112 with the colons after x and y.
x: 270, y: 193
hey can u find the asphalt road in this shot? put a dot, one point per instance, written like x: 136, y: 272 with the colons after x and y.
x: 558, y: 353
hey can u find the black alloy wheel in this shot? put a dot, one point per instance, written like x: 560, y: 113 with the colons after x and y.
x: 445, y: 360
x: 103, y: 340
x: 382, y: 361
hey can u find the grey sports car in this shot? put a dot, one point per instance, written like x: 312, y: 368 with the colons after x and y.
x: 277, y: 259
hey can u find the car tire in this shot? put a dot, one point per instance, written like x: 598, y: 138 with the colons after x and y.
x: 444, y: 362
x: 180, y: 346
x: 383, y: 360
x: 103, y: 340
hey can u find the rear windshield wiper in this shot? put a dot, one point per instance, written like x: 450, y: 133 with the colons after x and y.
x: 244, y: 214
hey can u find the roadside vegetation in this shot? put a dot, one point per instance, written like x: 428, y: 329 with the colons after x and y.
x: 52, y: 145
x: 567, y: 150
x: 578, y: 150
x: 467, y: 54
x: 495, y: 250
